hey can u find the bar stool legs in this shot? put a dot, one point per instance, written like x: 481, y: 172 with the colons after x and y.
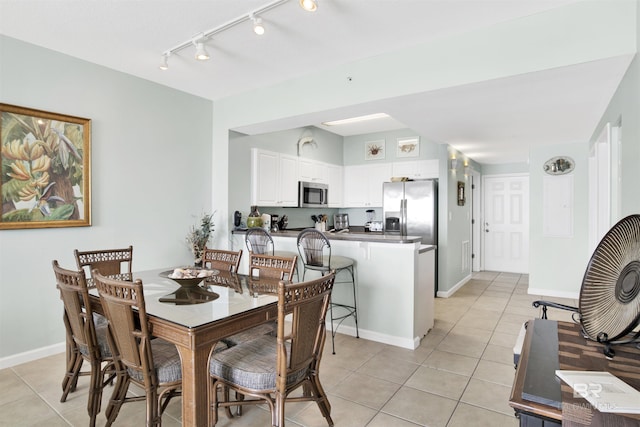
x: 351, y: 310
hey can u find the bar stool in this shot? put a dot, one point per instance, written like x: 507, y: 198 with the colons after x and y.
x: 315, y: 253
x: 260, y: 242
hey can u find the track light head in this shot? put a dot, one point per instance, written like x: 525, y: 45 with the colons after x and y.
x: 201, y: 51
x: 164, y: 65
x: 258, y: 28
x: 309, y: 5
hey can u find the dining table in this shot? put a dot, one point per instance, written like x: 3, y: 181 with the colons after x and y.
x: 196, y: 318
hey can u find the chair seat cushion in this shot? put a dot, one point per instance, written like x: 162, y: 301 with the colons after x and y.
x: 340, y: 262
x: 166, y: 360
x: 251, y: 334
x: 251, y: 365
x: 101, y: 326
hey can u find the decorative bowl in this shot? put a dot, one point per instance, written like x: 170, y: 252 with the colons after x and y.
x: 189, y: 276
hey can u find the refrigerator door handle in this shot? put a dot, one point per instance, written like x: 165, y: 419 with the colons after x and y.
x: 403, y: 217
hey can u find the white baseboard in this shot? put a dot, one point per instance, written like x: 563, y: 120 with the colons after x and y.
x: 450, y: 292
x: 552, y: 293
x: 31, y: 355
x: 375, y: 336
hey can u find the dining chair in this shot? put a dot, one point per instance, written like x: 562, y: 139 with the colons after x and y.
x: 270, y: 267
x: 89, y: 339
x: 221, y: 260
x: 268, y: 369
x: 259, y: 241
x: 315, y: 253
x: 115, y: 263
x: 153, y: 364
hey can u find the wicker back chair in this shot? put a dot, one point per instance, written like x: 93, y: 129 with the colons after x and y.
x: 114, y: 263
x: 261, y: 267
x: 315, y: 254
x: 152, y: 364
x: 88, y: 339
x: 221, y: 260
x: 259, y: 241
x: 267, y: 369
x: 271, y: 266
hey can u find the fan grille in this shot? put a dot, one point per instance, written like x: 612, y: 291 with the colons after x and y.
x: 609, y: 303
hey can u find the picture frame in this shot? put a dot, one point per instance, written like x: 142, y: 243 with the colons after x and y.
x: 408, y: 147
x: 46, y: 169
x: 374, y: 150
x: 461, y: 196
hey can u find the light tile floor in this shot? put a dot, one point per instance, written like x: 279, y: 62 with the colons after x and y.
x: 461, y: 375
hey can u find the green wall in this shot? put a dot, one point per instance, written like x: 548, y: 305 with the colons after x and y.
x: 151, y: 178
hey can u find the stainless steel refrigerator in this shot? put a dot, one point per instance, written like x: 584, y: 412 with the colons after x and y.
x: 410, y: 208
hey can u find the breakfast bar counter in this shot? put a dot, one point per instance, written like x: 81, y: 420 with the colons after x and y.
x: 395, y: 277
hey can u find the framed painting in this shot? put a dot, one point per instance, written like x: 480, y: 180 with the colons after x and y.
x: 374, y: 150
x: 46, y: 170
x: 408, y: 147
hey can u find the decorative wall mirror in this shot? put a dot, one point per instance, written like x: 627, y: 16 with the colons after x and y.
x: 559, y: 165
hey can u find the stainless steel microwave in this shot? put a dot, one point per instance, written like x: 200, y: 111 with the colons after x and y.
x: 313, y: 195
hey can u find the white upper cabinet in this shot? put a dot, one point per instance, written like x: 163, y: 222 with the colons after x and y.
x: 417, y: 169
x: 312, y: 171
x: 335, y: 182
x: 363, y: 184
x: 274, y: 179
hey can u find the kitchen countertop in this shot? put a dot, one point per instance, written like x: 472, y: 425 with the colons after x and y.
x: 357, y: 236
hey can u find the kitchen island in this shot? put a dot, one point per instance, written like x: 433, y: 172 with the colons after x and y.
x: 395, y: 282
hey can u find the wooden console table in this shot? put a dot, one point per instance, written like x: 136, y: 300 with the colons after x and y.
x: 540, y: 399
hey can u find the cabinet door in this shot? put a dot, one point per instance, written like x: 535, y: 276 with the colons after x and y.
x: 312, y: 171
x: 377, y: 174
x: 265, y: 176
x: 288, y: 179
x: 355, y: 187
x: 427, y: 169
x: 335, y: 182
x: 407, y: 169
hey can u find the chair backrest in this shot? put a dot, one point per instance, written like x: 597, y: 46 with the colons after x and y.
x: 115, y: 263
x: 314, y: 248
x: 307, y: 302
x: 271, y: 266
x: 78, y: 316
x: 259, y: 241
x: 130, y: 339
x: 221, y: 260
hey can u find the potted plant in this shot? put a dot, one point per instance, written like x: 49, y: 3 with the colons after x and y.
x: 199, y: 236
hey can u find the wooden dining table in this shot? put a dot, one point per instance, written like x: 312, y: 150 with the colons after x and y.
x: 224, y: 304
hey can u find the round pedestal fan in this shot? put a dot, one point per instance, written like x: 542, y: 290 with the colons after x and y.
x: 609, y: 305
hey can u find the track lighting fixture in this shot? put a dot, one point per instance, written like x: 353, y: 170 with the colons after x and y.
x: 164, y: 65
x: 258, y: 28
x: 309, y: 5
x: 201, y: 51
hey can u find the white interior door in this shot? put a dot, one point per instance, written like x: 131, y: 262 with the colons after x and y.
x: 506, y: 223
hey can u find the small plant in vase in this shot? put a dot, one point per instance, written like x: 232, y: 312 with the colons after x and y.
x: 199, y: 236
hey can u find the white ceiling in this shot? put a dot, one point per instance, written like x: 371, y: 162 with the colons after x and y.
x: 491, y: 122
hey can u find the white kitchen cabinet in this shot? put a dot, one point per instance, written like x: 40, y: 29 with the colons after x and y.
x: 363, y: 184
x: 416, y: 169
x: 274, y: 179
x: 312, y: 171
x: 335, y: 182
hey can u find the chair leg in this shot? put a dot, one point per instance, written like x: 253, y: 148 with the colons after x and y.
x: 333, y: 334
x: 74, y: 364
x: 321, y: 398
x: 95, y: 392
x: 117, y: 397
x: 355, y: 302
